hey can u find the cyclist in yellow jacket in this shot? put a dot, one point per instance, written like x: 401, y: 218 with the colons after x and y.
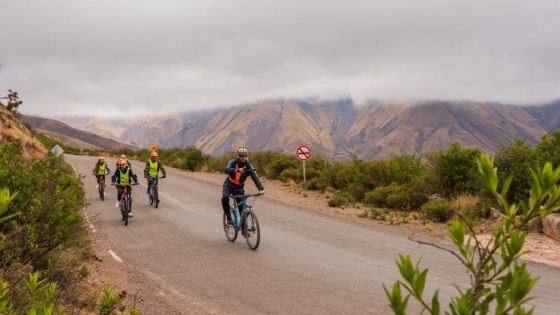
x: 153, y: 166
x: 100, y: 170
x: 123, y: 177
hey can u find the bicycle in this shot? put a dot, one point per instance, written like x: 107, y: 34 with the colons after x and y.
x: 247, y: 222
x: 101, y: 185
x: 153, y: 191
x: 126, y: 202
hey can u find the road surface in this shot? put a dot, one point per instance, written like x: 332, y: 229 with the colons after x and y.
x: 307, y: 263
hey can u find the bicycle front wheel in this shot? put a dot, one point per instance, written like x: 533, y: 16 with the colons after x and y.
x: 156, y: 197
x: 126, y: 209
x: 252, y: 231
x: 229, y: 230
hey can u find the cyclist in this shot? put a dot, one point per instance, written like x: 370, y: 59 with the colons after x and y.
x: 123, y: 156
x: 153, y: 166
x: 238, y: 170
x: 100, y: 170
x: 121, y: 178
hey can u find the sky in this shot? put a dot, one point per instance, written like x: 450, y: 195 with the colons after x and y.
x: 136, y: 57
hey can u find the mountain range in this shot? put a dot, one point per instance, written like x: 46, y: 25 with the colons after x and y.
x: 336, y: 129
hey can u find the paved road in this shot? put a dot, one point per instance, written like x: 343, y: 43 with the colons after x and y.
x: 307, y: 263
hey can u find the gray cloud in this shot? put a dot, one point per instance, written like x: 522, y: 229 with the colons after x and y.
x: 140, y: 57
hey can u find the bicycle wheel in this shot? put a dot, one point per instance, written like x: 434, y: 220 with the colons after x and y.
x: 229, y: 230
x: 251, y: 230
x: 126, y: 210
x: 156, y: 197
x: 122, y: 209
x: 101, y: 190
x: 151, y: 196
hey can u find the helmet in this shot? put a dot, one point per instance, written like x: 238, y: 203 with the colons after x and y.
x: 122, y: 162
x: 123, y: 156
x: 101, y: 158
x: 154, y: 154
x: 243, y: 151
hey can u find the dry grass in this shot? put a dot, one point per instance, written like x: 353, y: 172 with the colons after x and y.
x: 11, y: 128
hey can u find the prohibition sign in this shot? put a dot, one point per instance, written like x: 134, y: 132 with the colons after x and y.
x: 303, y: 153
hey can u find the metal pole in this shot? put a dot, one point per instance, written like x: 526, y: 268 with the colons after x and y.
x: 304, y: 171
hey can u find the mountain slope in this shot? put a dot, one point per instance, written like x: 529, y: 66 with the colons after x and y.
x: 72, y: 136
x: 13, y: 129
x: 340, y: 129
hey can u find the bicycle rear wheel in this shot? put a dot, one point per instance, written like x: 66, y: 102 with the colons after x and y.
x: 252, y: 231
x: 229, y: 230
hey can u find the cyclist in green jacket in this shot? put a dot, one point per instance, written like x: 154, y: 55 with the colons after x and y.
x: 100, y: 170
x: 123, y: 177
x: 153, y: 166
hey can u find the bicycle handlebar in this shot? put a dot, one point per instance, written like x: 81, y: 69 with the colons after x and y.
x: 245, y: 196
x: 133, y: 184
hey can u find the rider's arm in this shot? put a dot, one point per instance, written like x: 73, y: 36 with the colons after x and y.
x: 133, y: 176
x: 115, y: 177
x: 230, y: 168
x: 146, y: 169
x: 255, y: 177
x: 95, y: 169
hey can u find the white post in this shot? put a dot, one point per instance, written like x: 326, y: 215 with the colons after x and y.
x: 304, y: 171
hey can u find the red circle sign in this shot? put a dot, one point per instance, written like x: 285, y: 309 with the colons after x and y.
x: 303, y: 153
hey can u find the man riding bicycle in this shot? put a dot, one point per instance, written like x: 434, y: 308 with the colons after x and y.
x: 153, y: 166
x: 100, y: 170
x: 238, y: 170
x: 122, y: 178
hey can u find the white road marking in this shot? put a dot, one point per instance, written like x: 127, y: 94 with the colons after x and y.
x: 115, y: 256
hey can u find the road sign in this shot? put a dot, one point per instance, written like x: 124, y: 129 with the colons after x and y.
x: 303, y: 153
x: 57, y: 150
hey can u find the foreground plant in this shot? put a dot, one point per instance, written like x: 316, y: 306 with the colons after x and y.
x: 503, y: 283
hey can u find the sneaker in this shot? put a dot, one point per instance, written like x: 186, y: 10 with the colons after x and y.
x: 105, y: 193
x: 130, y: 215
x: 148, y: 191
x: 97, y: 186
x: 117, y: 205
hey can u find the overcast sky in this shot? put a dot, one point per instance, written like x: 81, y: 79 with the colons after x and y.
x: 143, y: 57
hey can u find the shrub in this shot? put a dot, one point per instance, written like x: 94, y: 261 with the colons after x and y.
x: 517, y: 159
x: 378, y: 197
x: 470, y: 207
x: 438, y: 210
x: 316, y: 183
x: 549, y: 149
x: 404, y: 168
x: 455, y: 171
x: 339, y: 200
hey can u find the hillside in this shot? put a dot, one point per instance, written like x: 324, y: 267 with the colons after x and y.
x: 13, y: 129
x: 341, y: 129
x: 71, y: 136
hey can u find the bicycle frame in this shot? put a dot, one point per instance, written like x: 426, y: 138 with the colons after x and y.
x: 239, y: 207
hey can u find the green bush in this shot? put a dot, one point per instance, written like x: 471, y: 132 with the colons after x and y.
x: 517, y: 159
x: 455, y: 171
x: 339, y: 200
x: 549, y: 149
x: 49, y: 197
x: 378, y: 196
x: 438, y: 210
x: 405, y: 197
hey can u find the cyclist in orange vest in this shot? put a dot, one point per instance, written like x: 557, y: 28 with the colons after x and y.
x: 238, y: 170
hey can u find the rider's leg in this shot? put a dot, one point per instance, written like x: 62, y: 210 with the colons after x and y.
x: 119, y: 195
x: 149, y: 181
x: 225, y: 202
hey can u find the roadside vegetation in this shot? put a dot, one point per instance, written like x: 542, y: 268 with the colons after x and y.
x: 44, y: 247
x: 497, y: 285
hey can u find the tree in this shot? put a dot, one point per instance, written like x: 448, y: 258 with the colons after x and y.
x: 549, y: 148
x: 503, y: 284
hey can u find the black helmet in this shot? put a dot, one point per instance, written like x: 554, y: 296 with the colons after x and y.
x: 243, y: 151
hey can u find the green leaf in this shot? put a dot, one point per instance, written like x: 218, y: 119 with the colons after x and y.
x: 435, y: 303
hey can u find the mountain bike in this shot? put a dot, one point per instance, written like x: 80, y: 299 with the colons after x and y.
x: 153, y: 191
x: 101, y: 185
x: 126, y: 202
x: 245, y: 220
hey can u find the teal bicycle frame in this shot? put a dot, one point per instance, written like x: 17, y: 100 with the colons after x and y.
x: 238, y: 210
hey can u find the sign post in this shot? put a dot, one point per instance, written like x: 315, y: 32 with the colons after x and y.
x: 303, y: 153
